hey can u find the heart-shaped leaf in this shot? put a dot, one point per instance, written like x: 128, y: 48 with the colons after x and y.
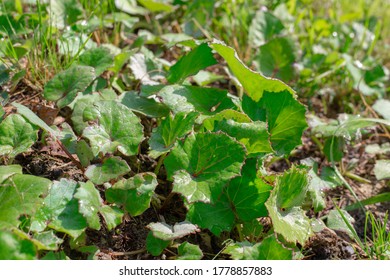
x: 16, y: 135
x: 20, y: 194
x: 248, y: 193
x: 60, y: 210
x: 134, y: 194
x: 222, y: 217
x: 118, y: 128
x: 111, y: 168
x: 202, y: 164
x: 284, y: 115
x: 99, y: 58
x: 64, y: 86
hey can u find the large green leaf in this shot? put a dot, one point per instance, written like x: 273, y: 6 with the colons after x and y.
x: 16, y: 135
x: 111, y: 168
x: 20, y: 194
x: 202, y: 164
x: 248, y: 193
x: 60, y: 210
x: 207, y: 101
x: 254, y: 83
x: 190, y: 64
x: 99, y: 58
x: 15, y: 248
x: 217, y: 217
x: 171, y: 128
x: 284, y: 206
x: 134, y: 194
x: 64, y: 86
x: 285, y: 117
x: 117, y: 128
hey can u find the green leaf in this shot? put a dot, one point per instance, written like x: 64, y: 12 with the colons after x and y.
x: 46, y: 240
x: 204, y: 78
x: 134, y: 194
x: 222, y: 217
x: 253, y: 135
x: 188, y: 251
x: 89, y: 203
x: 143, y: 105
x: 268, y: 249
x: 336, y: 222
x: 80, y: 104
x: 382, y: 169
x: 276, y: 58
x: 84, y: 153
x: 64, y: 13
x: 99, y: 58
x: 316, y: 189
x: 64, y: 86
x: 170, y: 129
x: 16, y: 135
x: 156, y: 6
x: 60, y: 210
x: 154, y: 245
x: 7, y: 171
x: 14, y: 248
x: 228, y: 114
x: 20, y: 194
x: 254, y: 83
x: 202, y: 164
x: 166, y: 232
x: 188, y: 65
x: 264, y: 27
x: 111, y: 168
x: 207, y: 101
x: 285, y: 117
x: 118, y: 128
x: 112, y: 216
x: 334, y: 148
x: 248, y: 193
x: 284, y: 203
x: 293, y: 186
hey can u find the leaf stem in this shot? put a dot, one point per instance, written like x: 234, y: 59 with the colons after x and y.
x: 159, y: 163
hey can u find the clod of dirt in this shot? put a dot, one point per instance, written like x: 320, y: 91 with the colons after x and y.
x: 327, y: 245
